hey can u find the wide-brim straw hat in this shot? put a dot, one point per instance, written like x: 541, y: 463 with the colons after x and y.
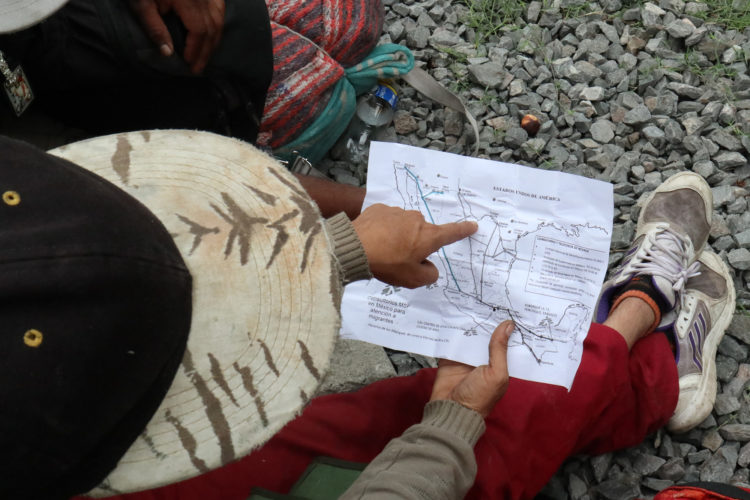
x: 266, y: 296
x: 16, y: 15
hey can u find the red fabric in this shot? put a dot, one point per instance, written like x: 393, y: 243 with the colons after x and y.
x: 617, y: 398
x: 690, y: 493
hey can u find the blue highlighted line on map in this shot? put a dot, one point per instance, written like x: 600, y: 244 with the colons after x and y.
x: 432, y: 219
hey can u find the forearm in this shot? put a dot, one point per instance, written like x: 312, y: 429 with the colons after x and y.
x: 332, y: 197
x: 430, y: 460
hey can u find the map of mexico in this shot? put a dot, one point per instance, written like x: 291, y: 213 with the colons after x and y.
x: 538, y: 258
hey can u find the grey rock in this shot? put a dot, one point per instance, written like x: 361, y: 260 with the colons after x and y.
x: 743, y: 460
x: 673, y: 132
x: 344, y: 176
x: 729, y: 160
x: 646, y: 465
x: 489, y: 75
x: 739, y: 258
x: 704, y: 168
x: 622, y: 235
x: 692, y: 124
x: 453, y: 124
x: 533, y: 11
x: 602, y: 131
x: 725, y: 139
x: 654, y: 135
x: 425, y: 20
x: 724, y: 404
x: 355, y: 364
x: 672, y: 470
x: 743, y: 238
x: 619, y: 488
x: 728, y: 346
x: 583, y: 72
x: 694, y: 8
x: 726, y: 368
x: 724, y: 195
x: 418, y: 37
x: 651, y: 15
x: 681, y: 28
x: 404, y: 122
x: 712, y: 440
x: 637, y: 116
x: 396, y: 30
x: 577, y: 488
x: 699, y: 457
x: 739, y: 328
x: 656, y: 484
x: 600, y: 464
x: 720, y: 466
x: 592, y: 93
x: 736, y: 432
x: 442, y: 37
x: 515, y: 137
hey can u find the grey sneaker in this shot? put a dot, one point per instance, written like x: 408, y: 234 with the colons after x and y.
x: 672, y: 229
x: 707, y: 308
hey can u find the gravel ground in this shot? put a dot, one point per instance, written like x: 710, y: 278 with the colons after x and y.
x: 628, y: 95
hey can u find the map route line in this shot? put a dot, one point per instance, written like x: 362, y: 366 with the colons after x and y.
x: 432, y: 220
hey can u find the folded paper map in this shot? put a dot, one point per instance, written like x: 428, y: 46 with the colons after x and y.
x: 538, y: 258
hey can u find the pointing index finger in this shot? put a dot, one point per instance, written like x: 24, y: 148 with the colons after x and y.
x: 445, y: 234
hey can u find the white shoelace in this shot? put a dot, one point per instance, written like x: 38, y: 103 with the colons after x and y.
x: 665, y: 254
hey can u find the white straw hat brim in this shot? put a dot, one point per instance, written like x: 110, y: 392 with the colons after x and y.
x: 265, y: 296
x: 16, y: 15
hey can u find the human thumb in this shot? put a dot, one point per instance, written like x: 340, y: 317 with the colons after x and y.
x: 499, y: 347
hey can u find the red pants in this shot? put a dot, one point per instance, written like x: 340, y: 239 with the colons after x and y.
x: 617, y: 399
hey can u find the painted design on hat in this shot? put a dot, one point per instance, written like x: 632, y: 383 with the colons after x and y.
x: 151, y: 446
x: 188, y: 442
x: 307, y: 359
x: 218, y: 377
x: 121, y: 158
x: 269, y: 358
x: 213, y: 411
x: 268, y: 199
x: 309, y: 224
x: 241, y: 224
x: 281, y: 235
x: 197, y: 231
x: 106, y: 486
x: 247, y: 382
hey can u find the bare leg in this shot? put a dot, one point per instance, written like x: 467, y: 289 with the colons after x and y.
x: 332, y: 197
x: 632, y: 319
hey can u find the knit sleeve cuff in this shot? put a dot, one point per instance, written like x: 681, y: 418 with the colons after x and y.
x: 455, y: 418
x: 347, y: 249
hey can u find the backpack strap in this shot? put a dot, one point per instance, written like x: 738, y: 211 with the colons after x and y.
x: 429, y: 87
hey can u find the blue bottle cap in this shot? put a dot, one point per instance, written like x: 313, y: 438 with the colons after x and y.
x: 387, y: 93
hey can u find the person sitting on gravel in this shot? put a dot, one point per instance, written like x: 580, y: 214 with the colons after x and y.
x: 648, y: 361
x: 237, y: 68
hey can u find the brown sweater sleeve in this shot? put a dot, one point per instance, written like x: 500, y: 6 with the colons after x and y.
x: 350, y: 256
x: 431, y: 460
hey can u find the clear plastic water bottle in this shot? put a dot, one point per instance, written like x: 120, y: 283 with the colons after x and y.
x: 374, y: 111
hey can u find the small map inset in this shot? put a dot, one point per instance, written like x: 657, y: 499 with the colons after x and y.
x: 538, y: 258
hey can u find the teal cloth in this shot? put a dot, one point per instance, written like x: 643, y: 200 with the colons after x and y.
x: 385, y: 61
